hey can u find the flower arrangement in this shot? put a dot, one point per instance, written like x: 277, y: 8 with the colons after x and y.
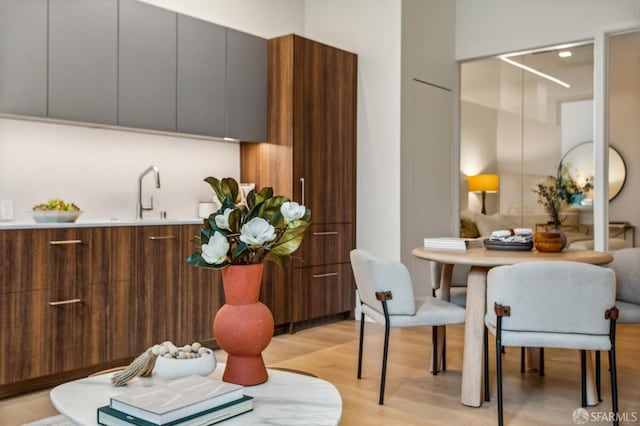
x: 568, y: 187
x: 260, y: 227
x: 550, y: 197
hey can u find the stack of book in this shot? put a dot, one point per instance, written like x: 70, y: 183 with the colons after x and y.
x: 450, y: 243
x: 189, y: 401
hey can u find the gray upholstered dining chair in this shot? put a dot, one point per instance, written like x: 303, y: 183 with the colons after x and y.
x: 555, y: 304
x: 626, y: 264
x: 386, y: 296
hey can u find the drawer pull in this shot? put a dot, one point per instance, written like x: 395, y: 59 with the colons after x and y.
x: 64, y: 242
x: 329, y: 274
x: 325, y: 233
x: 162, y: 237
x: 65, y: 302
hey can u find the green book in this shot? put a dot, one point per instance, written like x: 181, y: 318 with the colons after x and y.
x: 108, y: 416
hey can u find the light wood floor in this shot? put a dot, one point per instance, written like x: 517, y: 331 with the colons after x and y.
x: 413, y: 396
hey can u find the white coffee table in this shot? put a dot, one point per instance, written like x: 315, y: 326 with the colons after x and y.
x: 285, y: 399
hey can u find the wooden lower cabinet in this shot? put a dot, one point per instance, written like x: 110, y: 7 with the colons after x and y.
x: 321, y: 291
x: 77, y: 300
x: 51, y: 331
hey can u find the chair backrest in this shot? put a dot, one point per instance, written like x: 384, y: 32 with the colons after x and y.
x: 552, y: 296
x: 373, y: 275
x: 626, y: 264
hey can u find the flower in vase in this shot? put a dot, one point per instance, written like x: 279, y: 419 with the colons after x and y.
x: 251, y: 230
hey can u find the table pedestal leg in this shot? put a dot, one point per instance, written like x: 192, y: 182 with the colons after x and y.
x: 445, y: 294
x: 473, y: 337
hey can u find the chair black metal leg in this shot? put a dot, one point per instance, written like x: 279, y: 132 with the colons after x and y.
x: 434, y: 337
x: 598, y: 373
x: 444, y: 348
x: 499, y: 379
x: 360, y: 347
x: 522, y: 359
x: 614, y: 384
x: 583, y: 376
x: 384, y: 362
x: 541, y: 371
x: 486, y: 365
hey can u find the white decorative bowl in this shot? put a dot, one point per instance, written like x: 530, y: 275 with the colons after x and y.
x: 54, y: 216
x: 172, y: 368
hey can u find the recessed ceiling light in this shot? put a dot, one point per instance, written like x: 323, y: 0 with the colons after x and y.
x: 564, y: 53
x: 535, y: 71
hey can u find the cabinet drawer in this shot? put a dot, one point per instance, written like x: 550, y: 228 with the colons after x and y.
x: 44, y: 332
x: 325, y: 244
x: 322, y: 290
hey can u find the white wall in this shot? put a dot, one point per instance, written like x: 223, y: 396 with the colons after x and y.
x: 490, y: 27
x: 372, y: 30
x: 98, y: 169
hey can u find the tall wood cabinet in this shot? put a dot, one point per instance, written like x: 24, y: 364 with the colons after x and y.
x: 311, y: 157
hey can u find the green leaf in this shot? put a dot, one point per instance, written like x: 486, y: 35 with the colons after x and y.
x: 265, y: 193
x: 215, y: 185
x: 241, y: 250
x: 231, y: 189
x: 235, y: 221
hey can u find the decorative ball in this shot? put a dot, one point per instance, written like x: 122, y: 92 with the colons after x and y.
x: 172, y: 368
x: 550, y: 242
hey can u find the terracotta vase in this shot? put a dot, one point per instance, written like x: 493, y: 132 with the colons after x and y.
x: 243, y: 326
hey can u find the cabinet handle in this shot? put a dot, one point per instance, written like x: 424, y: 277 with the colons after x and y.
x: 325, y: 233
x: 302, y: 187
x: 64, y: 242
x: 329, y: 274
x: 65, y: 302
x: 162, y: 237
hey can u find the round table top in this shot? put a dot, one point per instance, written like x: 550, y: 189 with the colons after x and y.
x: 491, y: 258
x: 285, y: 398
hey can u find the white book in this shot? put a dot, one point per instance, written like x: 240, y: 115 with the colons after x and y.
x: 175, y: 399
x: 451, y: 243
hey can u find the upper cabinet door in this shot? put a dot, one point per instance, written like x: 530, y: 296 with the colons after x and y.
x: 83, y: 58
x: 147, y: 67
x: 246, y: 87
x: 201, y: 77
x: 23, y: 57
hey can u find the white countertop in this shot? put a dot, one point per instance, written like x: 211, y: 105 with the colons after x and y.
x: 93, y: 223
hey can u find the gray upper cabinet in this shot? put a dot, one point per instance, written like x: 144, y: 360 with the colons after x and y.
x: 147, y: 67
x: 83, y: 58
x: 23, y: 57
x: 201, y: 77
x: 246, y: 87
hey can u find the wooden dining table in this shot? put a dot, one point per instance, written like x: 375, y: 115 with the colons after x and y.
x: 481, y: 260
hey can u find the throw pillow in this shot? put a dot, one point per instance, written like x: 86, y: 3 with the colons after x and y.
x: 468, y: 229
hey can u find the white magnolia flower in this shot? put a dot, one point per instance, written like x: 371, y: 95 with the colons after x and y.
x: 222, y: 220
x: 256, y: 232
x: 215, y: 252
x: 292, y: 211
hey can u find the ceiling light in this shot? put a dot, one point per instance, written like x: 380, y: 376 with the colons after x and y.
x: 535, y: 71
x: 565, y: 53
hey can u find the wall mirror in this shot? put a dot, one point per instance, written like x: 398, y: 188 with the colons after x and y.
x: 578, y: 162
x: 520, y: 113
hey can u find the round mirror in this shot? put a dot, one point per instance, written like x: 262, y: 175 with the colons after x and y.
x: 577, y: 167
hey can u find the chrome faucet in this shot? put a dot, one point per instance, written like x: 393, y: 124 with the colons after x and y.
x: 140, y: 208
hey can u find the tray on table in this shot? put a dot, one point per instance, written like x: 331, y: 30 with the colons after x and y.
x: 507, y: 245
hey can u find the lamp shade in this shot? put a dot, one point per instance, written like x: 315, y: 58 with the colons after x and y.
x: 484, y: 183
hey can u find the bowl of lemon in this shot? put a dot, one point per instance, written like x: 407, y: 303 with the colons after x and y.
x: 55, y: 211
